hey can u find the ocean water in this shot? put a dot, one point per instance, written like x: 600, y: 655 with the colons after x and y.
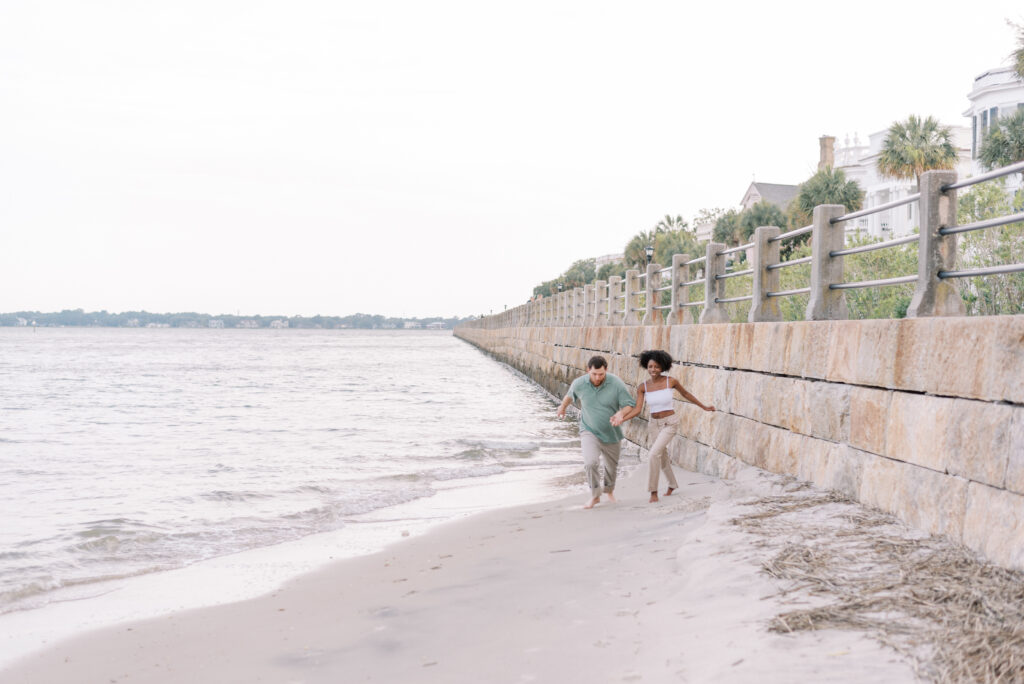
x: 126, y: 453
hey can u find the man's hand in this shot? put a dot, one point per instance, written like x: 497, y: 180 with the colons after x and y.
x: 616, y: 419
x: 561, y: 412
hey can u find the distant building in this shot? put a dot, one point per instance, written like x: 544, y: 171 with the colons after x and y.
x: 247, y: 323
x: 278, y: 324
x: 704, y: 231
x: 996, y: 93
x: 608, y: 259
x: 773, y: 193
x: 215, y: 323
x: 436, y: 325
x: 410, y: 325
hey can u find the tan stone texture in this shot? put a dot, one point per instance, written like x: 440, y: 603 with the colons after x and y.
x: 869, y: 414
x: 815, y: 349
x: 979, y: 439
x: 875, y: 358
x: 916, y: 429
x: 1015, y: 453
x: 994, y: 524
x: 922, y: 498
x: 844, y: 349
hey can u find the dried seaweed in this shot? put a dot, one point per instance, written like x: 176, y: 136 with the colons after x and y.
x: 957, y: 617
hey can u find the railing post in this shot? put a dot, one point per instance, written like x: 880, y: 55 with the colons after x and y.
x: 653, y: 316
x: 632, y: 298
x: 680, y: 292
x: 600, y: 312
x: 763, y: 307
x: 577, y: 306
x: 590, y: 304
x: 614, y: 291
x: 564, y: 313
x: 934, y: 296
x: 714, y: 288
x: 825, y: 303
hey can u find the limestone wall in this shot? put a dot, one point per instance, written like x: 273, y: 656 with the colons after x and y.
x: 922, y: 418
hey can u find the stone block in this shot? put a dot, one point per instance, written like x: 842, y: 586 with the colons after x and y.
x: 815, y: 348
x: 828, y: 411
x: 793, y: 358
x: 875, y: 352
x: 979, y: 437
x: 922, y: 498
x: 869, y: 415
x: 845, y: 470
x: 741, y: 337
x: 1015, y: 454
x: 916, y: 429
x: 1007, y: 353
x: 813, y: 465
x: 783, y: 455
x: 678, y: 343
x: 958, y: 362
x: 844, y: 349
x: 994, y: 524
x: 745, y: 393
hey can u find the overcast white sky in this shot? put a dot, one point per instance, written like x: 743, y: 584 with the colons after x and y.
x: 415, y: 158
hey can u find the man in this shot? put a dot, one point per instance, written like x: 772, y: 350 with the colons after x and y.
x: 600, y: 395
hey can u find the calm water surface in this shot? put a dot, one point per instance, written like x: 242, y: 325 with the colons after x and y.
x: 126, y: 452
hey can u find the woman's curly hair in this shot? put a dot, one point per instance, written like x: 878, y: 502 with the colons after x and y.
x: 660, y: 357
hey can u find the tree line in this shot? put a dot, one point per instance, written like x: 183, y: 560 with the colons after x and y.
x: 143, y: 319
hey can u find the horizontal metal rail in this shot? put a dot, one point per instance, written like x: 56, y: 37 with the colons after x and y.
x: 874, y: 210
x: 740, y: 248
x: 734, y: 274
x: 696, y: 261
x: 792, y: 234
x: 733, y: 299
x: 978, y: 225
x: 996, y: 173
x: 663, y: 289
x: 698, y: 281
x: 785, y: 264
x: 691, y: 304
x: 666, y: 306
x: 874, y: 283
x: 667, y: 269
x: 877, y: 245
x: 787, y: 293
x: 991, y: 270
x: 640, y: 309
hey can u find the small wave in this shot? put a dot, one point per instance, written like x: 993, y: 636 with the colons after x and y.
x: 223, y: 495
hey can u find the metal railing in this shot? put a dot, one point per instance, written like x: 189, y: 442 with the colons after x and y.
x: 636, y: 298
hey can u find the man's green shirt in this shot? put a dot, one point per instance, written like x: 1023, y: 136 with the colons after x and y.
x: 599, y: 404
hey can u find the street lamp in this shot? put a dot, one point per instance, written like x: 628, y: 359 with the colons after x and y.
x: 649, y: 251
x: 559, y: 287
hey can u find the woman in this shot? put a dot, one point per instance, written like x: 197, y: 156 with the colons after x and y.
x: 657, y: 392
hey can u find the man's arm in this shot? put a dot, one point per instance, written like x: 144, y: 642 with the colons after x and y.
x: 629, y: 412
x: 564, y: 405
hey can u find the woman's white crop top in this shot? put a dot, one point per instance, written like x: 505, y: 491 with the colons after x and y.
x: 659, y: 400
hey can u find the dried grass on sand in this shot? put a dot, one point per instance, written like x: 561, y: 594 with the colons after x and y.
x: 959, y: 619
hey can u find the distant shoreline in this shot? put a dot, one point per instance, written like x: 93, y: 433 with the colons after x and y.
x: 144, y: 319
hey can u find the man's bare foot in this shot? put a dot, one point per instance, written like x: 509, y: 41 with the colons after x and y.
x: 670, y: 490
x: 593, y: 502
x: 654, y: 497
x: 611, y: 497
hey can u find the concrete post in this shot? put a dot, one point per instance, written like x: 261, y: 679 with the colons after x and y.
x: 714, y: 288
x: 680, y: 293
x: 590, y: 304
x: 762, y: 307
x: 653, y: 316
x: 565, y: 300
x: 934, y: 296
x: 632, y: 292
x: 600, y: 306
x: 577, y: 306
x: 825, y: 303
x: 615, y: 316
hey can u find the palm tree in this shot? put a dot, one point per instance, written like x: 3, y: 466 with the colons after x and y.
x: 727, y: 228
x: 915, y: 146
x: 670, y: 224
x: 635, y: 253
x: 1004, y: 143
x: 828, y: 186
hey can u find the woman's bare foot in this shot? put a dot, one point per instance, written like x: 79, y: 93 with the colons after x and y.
x: 611, y: 497
x: 593, y: 502
x: 654, y: 497
x: 670, y: 490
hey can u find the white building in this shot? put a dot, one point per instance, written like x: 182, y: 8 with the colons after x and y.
x: 860, y: 163
x: 996, y: 93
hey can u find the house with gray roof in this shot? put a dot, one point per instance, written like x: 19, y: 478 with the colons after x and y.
x: 774, y: 193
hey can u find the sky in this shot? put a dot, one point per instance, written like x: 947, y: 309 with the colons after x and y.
x: 419, y: 159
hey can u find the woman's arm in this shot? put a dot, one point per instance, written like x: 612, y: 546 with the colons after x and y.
x: 686, y: 395
x: 628, y: 412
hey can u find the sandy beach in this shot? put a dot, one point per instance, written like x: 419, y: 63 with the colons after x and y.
x: 629, y: 591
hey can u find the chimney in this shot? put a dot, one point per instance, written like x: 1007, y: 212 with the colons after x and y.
x: 827, y: 155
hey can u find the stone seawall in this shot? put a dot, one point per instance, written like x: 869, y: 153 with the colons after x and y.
x: 921, y: 418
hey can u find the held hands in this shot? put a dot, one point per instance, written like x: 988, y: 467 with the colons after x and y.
x: 616, y: 420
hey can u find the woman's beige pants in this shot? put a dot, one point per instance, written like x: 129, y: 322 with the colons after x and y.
x: 661, y: 431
